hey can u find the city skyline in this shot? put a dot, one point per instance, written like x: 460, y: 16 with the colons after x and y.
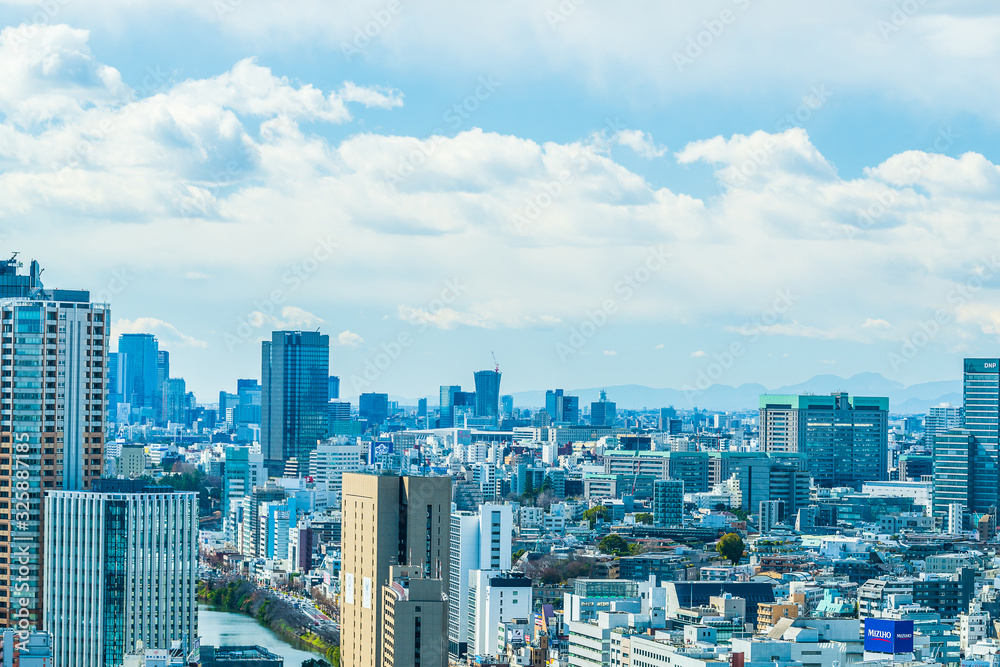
x: 621, y: 213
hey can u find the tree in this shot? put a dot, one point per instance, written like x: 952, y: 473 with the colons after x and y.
x: 720, y: 507
x: 596, y: 511
x: 730, y: 546
x: 644, y: 517
x: 551, y: 576
x: 315, y: 662
x: 634, y: 549
x: 613, y: 544
x: 517, y: 555
x: 577, y: 569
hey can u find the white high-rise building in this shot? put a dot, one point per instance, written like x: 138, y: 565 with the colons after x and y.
x: 494, y: 597
x: 332, y: 458
x: 121, y: 566
x: 769, y: 514
x: 54, y: 363
x: 942, y: 418
x: 479, y: 541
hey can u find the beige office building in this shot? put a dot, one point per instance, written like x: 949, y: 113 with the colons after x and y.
x: 387, y: 521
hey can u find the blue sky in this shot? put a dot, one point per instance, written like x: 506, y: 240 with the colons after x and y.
x: 652, y: 193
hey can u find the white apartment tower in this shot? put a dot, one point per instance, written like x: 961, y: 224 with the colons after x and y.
x: 121, y: 566
x: 479, y: 541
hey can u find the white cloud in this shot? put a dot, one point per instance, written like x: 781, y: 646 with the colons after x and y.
x: 224, y: 162
x: 640, y: 142
x: 876, y: 324
x: 697, y: 354
x: 630, y: 49
x: 349, y: 339
x: 610, y: 353
x: 659, y: 346
x: 289, y: 318
x: 166, y: 333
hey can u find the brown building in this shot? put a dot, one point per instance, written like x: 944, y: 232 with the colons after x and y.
x: 388, y: 521
x: 769, y: 613
x: 53, y: 365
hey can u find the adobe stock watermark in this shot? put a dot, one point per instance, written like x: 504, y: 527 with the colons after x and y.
x: 454, y: 116
x: 118, y: 283
x: 624, y: 289
x: 714, y: 28
x: 389, y: 352
x: 370, y: 31
x: 724, y: 360
x: 270, y: 307
x: 25, y: 32
x: 928, y: 329
x: 917, y: 162
x: 563, y: 11
x: 901, y: 14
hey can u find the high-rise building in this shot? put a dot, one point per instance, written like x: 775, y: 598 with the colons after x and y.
x: 332, y: 458
x: 666, y: 414
x: 603, y: 412
x: 845, y: 439
x: 941, y: 419
x: 248, y: 542
x: 295, y: 379
x: 506, y: 406
x: 52, y: 418
x: 479, y: 541
x: 446, y: 410
x: 162, y: 374
x: 115, y: 386
x: 174, y: 401
x: 954, y: 456
x: 244, y: 469
x: 387, y: 520
x: 488, y: 393
x: 422, y: 409
x: 981, y: 399
x: 338, y: 418
x: 334, y: 385
x: 413, y: 620
x: 769, y: 513
x: 562, y: 408
x: 495, y: 597
x: 141, y: 387
x: 668, y: 502
x: 121, y: 566
x: 374, y: 408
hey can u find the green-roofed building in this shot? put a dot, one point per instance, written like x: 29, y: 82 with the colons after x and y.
x: 845, y: 439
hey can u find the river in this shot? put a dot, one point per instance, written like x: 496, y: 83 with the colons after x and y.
x: 219, y: 628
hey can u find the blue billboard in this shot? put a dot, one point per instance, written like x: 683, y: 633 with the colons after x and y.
x: 883, y: 636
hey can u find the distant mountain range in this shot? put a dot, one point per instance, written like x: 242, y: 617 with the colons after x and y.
x: 914, y: 399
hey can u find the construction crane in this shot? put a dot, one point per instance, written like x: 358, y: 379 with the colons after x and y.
x: 495, y: 363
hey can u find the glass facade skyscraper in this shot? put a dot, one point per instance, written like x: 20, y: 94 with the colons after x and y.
x: 295, y: 381
x: 845, y: 439
x: 140, y: 386
x: 981, y: 398
x: 487, y: 393
x: 374, y: 408
x: 446, y: 410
